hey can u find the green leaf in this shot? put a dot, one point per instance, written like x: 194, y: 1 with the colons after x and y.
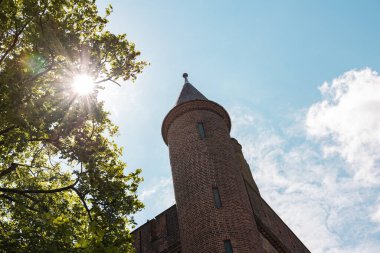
x: 69, y: 179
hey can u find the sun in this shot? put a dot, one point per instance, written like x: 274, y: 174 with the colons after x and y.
x: 83, y: 84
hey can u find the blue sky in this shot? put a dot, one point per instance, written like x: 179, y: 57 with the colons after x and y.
x: 300, y: 81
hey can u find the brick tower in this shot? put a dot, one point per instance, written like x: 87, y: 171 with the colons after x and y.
x: 212, y: 203
x: 218, y: 205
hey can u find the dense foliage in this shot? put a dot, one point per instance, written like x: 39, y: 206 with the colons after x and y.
x: 62, y: 182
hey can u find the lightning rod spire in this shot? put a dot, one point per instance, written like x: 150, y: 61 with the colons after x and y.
x: 185, y: 75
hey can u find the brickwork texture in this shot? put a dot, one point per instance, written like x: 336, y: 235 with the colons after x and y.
x: 217, y: 199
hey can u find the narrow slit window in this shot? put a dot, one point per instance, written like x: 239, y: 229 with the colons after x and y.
x: 228, y: 246
x: 201, y: 130
x: 217, y: 200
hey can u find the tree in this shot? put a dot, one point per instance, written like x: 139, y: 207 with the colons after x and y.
x: 62, y: 181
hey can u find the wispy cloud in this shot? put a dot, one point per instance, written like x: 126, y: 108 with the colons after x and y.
x: 159, y: 186
x: 347, y: 121
x: 157, y: 195
x: 328, y: 198
x: 321, y: 196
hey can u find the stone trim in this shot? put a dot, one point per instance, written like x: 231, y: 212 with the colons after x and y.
x: 191, y: 106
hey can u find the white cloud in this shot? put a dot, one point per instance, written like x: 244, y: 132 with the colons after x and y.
x: 326, y: 188
x: 160, y: 191
x: 375, y: 216
x: 159, y: 185
x: 315, y: 195
x: 362, y: 247
x: 347, y: 121
x: 157, y: 195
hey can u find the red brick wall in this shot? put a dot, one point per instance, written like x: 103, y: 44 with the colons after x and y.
x: 244, y: 167
x: 198, y: 165
x: 159, y: 235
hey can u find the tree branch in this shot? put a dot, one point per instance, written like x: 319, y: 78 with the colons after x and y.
x: 84, y: 202
x: 115, y: 82
x: 46, y: 140
x: 4, y: 196
x: 37, y: 153
x: 108, y: 79
x: 18, y: 191
x: 11, y: 168
x: 103, y: 80
x: 30, y: 197
x: 6, y: 130
x: 15, y: 39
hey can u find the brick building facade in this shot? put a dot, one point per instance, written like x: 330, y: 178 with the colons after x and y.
x: 218, y: 205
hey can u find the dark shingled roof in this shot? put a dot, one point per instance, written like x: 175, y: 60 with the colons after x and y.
x: 188, y: 93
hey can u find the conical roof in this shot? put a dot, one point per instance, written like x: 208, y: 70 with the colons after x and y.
x: 200, y: 102
x: 189, y: 92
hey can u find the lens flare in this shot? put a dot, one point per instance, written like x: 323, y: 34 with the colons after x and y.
x: 83, y: 84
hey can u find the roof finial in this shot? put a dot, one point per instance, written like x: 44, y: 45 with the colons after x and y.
x: 185, y: 75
